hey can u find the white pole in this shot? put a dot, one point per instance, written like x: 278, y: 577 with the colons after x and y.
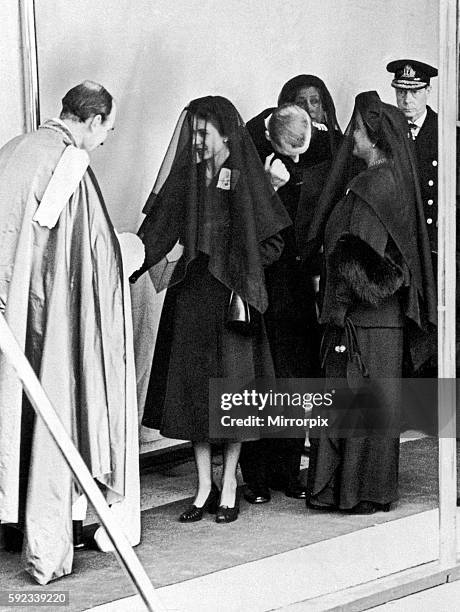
x: 446, y: 279
x: 46, y: 412
x: 30, y: 64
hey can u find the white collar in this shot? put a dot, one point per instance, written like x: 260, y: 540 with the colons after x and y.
x: 322, y: 127
x: 419, y: 122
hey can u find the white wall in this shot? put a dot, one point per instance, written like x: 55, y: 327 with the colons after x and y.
x: 154, y: 56
x: 11, y: 89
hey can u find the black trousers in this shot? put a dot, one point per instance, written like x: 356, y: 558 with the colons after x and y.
x: 294, y: 337
x: 272, y: 462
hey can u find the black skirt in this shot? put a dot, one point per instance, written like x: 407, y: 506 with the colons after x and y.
x: 193, y: 345
x: 344, y: 471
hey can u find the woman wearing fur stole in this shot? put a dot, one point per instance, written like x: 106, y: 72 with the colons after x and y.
x: 379, y: 302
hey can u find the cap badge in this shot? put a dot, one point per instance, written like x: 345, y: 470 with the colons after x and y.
x: 408, y: 72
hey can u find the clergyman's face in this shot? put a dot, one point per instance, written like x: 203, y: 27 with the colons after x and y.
x: 208, y: 141
x: 309, y: 99
x: 412, y: 102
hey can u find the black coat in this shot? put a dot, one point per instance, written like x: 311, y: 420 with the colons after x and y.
x: 426, y: 146
x: 291, y: 315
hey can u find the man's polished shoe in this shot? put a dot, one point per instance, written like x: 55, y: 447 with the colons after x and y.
x: 77, y: 535
x: 257, y: 495
x: 297, y: 491
x: 12, y: 538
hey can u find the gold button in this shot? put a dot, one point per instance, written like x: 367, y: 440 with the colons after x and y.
x: 430, y: 202
x: 434, y: 162
x: 429, y: 221
x: 431, y: 183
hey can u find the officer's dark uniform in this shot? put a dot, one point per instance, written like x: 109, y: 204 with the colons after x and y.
x: 426, y: 146
x: 410, y: 74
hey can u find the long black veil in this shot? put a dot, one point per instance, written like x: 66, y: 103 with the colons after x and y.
x: 289, y: 93
x: 225, y: 210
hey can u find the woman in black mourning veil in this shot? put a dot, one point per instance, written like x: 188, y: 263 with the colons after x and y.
x: 379, y: 297
x: 291, y: 318
x: 310, y: 92
x: 212, y: 224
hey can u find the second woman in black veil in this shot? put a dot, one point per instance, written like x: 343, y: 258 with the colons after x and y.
x: 379, y: 299
x: 213, y: 204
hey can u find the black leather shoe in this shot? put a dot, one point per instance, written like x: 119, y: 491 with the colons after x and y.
x: 195, y: 513
x: 83, y: 537
x: 77, y: 534
x: 366, y: 507
x: 12, y: 538
x: 257, y: 495
x: 325, y: 508
x: 297, y: 492
x: 225, y: 514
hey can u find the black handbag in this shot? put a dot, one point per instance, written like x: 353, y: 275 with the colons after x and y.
x: 239, y: 317
x: 357, y: 373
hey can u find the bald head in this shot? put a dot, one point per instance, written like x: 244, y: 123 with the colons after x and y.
x: 86, y: 100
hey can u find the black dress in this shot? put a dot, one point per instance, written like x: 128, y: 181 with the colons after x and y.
x: 194, y: 345
x: 229, y: 228
x: 363, y: 465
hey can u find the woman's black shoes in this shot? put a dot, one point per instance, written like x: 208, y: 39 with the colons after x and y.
x: 225, y: 514
x: 195, y: 513
x: 363, y: 507
x: 324, y: 508
x: 367, y: 507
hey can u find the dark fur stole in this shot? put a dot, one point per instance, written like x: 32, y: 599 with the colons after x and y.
x: 371, y: 277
